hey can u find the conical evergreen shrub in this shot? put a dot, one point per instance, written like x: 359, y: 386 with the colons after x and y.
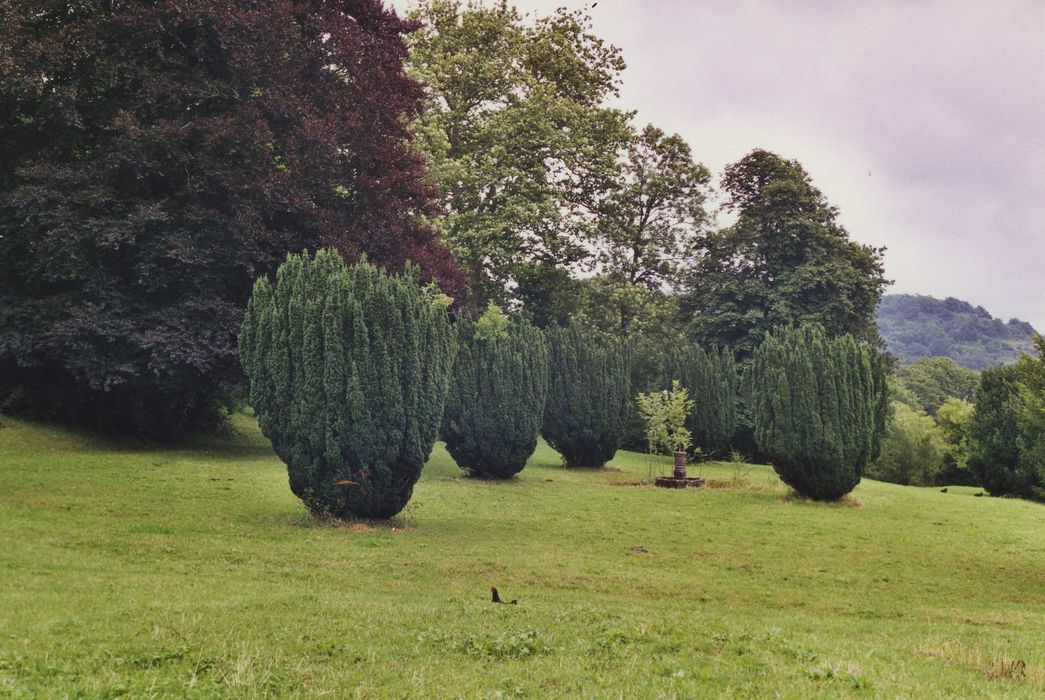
x: 349, y: 369
x: 818, y: 405
x: 588, y: 385
x: 713, y: 383
x: 496, y: 401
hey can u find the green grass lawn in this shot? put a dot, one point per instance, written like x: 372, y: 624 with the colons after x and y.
x: 140, y: 571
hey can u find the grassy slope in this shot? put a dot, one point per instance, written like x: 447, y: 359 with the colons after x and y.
x: 196, y: 572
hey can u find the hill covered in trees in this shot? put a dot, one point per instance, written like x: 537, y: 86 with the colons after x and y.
x: 916, y: 326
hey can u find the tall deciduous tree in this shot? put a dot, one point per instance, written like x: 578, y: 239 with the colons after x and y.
x: 516, y: 135
x: 1008, y: 427
x: 159, y: 156
x: 650, y: 219
x: 913, y: 449
x: 349, y: 369
x: 995, y: 430
x: 786, y: 259
x: 1032, y: 422
x: 954, y: 420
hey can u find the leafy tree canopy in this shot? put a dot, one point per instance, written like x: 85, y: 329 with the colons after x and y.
x: 649, y: 221
x: 954, y: 420
x: 516, y: 135
x: 1007, y: 433
x: 786, y: 259
x: 1032, y: 421
x: 933, y: 380
x: 996, y: 437
x: 159, y: 156
x: 913, y: 449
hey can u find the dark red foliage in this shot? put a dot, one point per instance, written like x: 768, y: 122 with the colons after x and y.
x: 157, y: 156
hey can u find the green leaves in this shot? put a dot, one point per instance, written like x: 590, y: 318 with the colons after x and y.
x: 515, y: 134
x: 588, y: 388
x: 935, y: 379
x: 651, y: 217
x: 665, y: 413
x: 496, y: 401
x: 152, y: 183
x: 349, y: 369
x: 818, y: 406
x: 492, y: 325
x: 712, y: 380
x: 913, y: 451
x: 1008, y: 427
x: 785, y: 260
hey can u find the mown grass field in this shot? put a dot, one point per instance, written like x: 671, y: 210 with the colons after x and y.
x: 194, y: 572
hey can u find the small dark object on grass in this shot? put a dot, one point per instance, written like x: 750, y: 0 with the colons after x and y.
x: 640, y: 549
x: 943, y: 490
x: 978, y: 495
x: 497, y: 598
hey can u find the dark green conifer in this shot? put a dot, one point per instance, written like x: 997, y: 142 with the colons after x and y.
x: 588, y: 385
x: 496, y: 401
x: 818, y: 406
x: 348, y: 369
x: 713, y: 383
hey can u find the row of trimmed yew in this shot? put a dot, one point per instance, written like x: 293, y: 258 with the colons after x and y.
x: 355, y: 373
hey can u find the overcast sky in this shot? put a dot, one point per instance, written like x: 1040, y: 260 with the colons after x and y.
x: 923, y: 122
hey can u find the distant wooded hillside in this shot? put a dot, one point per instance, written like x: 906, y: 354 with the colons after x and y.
x: 916, y: 326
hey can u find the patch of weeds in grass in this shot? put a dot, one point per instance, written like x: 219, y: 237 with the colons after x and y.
x: 511, y: 689
x: 12, y: 667
x: 155, y: 658
x: 994, y: 666
x: 507, y: 645
x: 795, y: 652
x: 716, y: 643
x: 741, y: 469
x: 251, y: 671
x: 606, y: 644
x: 668, y: 646
x: 846, y: 674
